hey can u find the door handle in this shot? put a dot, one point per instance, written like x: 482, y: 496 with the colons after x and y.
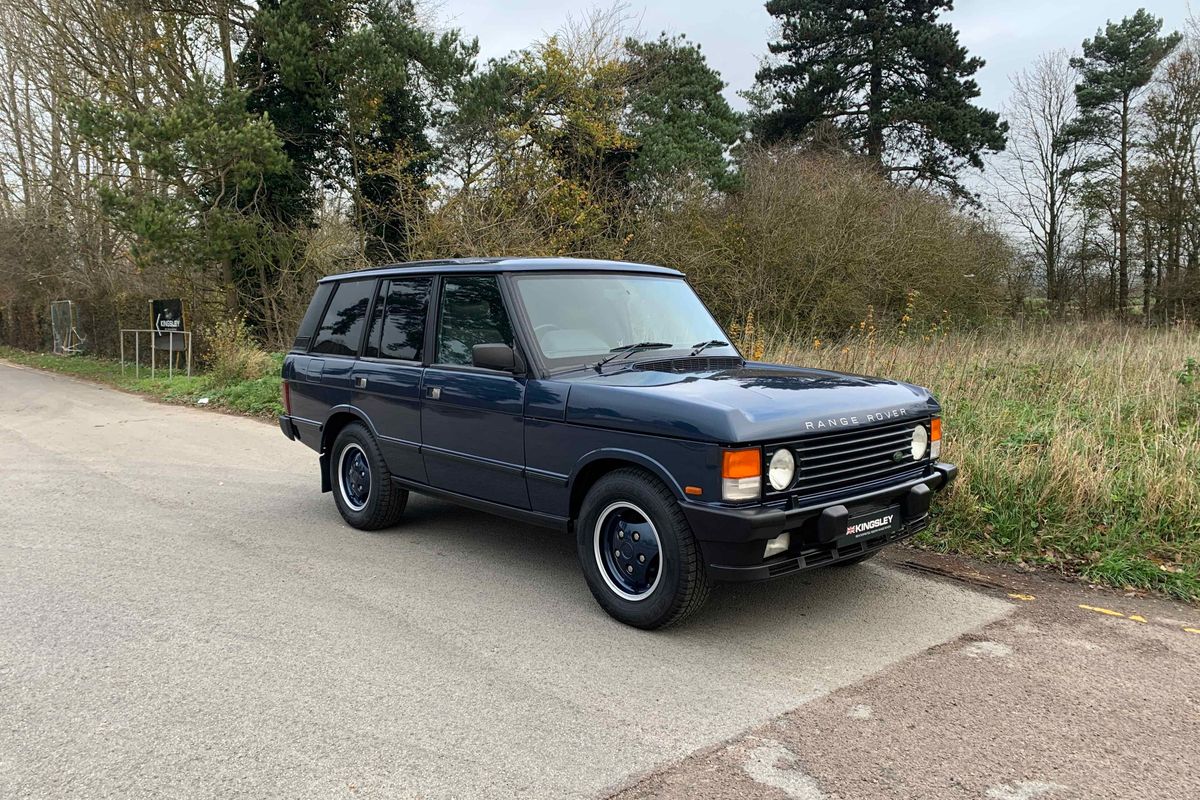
x: 360, y: 382
x: 435, y: 393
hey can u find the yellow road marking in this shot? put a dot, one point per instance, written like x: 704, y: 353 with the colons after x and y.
x: 1192, y: 630
x: 1019, y: 596
x: 1098, y: 610
x: 1137, y: 618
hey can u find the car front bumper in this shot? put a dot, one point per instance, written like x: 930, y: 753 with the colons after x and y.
x: 733, y: 539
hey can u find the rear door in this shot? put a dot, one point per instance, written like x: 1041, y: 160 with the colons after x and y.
x: 324, y: 379
x: 387, y: 379
x: 472, y: 428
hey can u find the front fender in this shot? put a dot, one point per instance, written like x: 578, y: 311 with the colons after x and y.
x: 630, y: 456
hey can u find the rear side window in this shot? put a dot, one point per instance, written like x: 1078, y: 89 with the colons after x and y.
x: 342, y: 326
x: 309, y: 324
x: 472, y: 313
x: 400, y: 312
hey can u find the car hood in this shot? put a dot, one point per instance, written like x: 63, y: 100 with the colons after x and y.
x: 753, y: 403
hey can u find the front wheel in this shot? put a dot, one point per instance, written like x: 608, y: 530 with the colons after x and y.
x: 638, y: 554
x: 363, y: 489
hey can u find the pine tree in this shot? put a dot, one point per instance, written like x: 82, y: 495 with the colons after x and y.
x: 887, y: 78
x: 677, y: 113
x: 1115, y: 67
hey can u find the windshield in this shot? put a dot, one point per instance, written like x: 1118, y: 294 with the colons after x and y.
x: 583, y: 318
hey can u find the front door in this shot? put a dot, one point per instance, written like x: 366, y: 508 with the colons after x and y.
x: 472, y: 427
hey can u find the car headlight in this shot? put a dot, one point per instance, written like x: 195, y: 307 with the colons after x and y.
x: 920, y: 442
x: 782, y: 469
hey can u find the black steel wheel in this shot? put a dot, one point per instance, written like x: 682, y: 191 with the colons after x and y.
x: 363, y: 489
x: 638, y: 554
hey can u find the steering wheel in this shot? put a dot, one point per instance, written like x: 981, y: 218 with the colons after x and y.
x: 545, y: 328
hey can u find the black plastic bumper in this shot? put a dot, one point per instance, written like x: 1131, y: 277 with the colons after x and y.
x: 287, y: 426
x: 733, y: 539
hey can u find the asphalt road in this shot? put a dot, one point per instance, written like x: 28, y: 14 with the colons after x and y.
x: 183, y: 614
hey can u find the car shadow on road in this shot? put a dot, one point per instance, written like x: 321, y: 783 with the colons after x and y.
x: 866, y: 595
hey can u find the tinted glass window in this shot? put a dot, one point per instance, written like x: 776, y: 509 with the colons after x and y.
x: 401, y: 308
x: 342, y: 326
x: 312, y: 316
x: 472, y: 313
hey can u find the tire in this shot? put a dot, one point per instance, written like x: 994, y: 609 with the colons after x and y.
x: 850, y: 562
x: 627, y: 514
x: 363, y: 489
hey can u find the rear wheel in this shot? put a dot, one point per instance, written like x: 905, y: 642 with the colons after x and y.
x: 638, y: 554
x: 363, y: 489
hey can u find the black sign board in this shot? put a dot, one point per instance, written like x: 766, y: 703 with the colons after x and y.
x: 166, y: 317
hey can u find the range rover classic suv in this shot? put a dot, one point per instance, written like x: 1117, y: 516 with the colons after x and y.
x: 603, y: 400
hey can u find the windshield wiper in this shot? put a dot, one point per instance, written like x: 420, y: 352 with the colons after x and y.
x: 697, y: 349
x: 627, y: 350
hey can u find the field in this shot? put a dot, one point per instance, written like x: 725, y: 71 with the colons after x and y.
x: 1079, y: 446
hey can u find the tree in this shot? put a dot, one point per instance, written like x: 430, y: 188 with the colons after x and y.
x: 353, y: 86
x: 202, y: 156
x: 397, y: 78
x: 892, y: 80
x: 1162, y: 185
x: 285, y: 69
x: 676, y: 112
x: 541, y: 152
x: 1115, y: 67
x: 1037, y: 177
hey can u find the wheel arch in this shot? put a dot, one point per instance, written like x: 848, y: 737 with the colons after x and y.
x: 595, y: 465
x: 338, y: 419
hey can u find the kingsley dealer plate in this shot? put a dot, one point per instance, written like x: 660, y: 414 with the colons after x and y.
x: 870, y: 524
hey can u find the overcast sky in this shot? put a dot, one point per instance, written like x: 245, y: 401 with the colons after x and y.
x: 1008, y: 34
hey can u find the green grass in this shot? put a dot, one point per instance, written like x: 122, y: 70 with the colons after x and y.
x: 1078, y: 445
x: 258, y: 397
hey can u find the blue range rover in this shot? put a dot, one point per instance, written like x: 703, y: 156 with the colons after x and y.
x: 602, y: 399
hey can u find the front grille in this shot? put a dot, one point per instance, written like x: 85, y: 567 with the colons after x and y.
x: 833, y: 462
x: 690, y: 364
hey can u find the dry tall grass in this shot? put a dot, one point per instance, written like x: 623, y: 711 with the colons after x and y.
x: 1079, y: 445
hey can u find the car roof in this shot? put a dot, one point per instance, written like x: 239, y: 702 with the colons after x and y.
x: 494, y: 265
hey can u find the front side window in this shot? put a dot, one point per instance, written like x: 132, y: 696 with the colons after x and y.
x: 400, y: 312
x: 582, y: 318
x: 342, y: 326
x: 472, y: 313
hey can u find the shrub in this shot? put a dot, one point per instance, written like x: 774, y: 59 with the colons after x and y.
x: 233, y: 355
x: 810, y: 242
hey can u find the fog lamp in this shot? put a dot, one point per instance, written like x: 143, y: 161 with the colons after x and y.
x: 779, y: 544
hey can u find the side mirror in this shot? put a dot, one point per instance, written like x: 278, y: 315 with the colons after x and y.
x: 494, y: 356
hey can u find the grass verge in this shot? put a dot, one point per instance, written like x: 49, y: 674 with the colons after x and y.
x: 258, y: 397
x: 1079, y: 446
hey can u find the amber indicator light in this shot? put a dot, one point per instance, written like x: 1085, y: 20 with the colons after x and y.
x: 742, y: 463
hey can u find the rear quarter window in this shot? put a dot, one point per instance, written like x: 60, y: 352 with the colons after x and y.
x: 312, y: 316
x: 342, y: 326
